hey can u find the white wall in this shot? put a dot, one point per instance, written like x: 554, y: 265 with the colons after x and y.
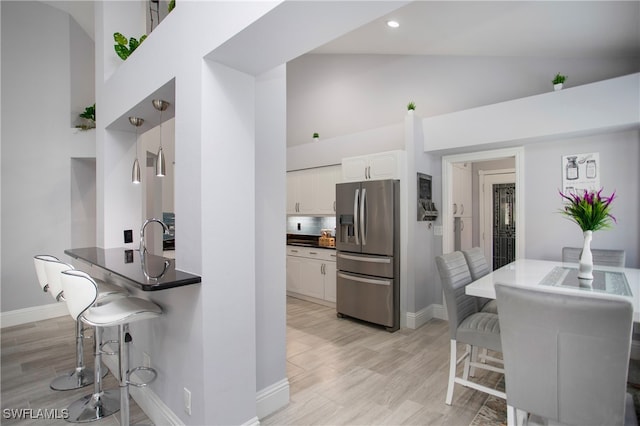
x: 547, y: 231
x: 36, y: 173
x: 324, y: 89
x: 270, y: 179
x: 342, y: 94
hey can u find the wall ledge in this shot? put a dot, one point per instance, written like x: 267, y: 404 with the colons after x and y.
x: 588, y: 109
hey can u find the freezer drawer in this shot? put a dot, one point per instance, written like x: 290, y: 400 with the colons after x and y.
x: 367, y: 298
x: 379, y: 266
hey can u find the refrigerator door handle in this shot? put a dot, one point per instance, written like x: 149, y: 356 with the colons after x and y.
x: 364, y: 280
x: 365, y: 259
x: 363, y: 223
x: 356, y: 224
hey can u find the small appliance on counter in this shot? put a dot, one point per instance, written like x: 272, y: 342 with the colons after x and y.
x: 327, y: 238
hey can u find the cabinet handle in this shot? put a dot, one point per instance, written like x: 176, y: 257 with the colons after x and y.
x: 461, y: 225
x: 461, y: 208
x: 334, y: 206
x: 322, y: 269
x: 455, y: 208
x: 313, y: 252
x: 294, y: 251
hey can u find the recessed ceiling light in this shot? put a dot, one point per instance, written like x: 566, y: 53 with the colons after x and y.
x: 393, y: 24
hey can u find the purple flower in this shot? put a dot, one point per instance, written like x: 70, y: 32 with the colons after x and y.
x: 589, y: 210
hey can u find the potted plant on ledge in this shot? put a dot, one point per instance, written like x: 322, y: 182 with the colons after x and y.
x: 411, y: 106
x: 558, y: 81
x: 88, y: 118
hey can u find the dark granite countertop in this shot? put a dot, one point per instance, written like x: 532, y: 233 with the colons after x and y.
x: 149, y: 273
x: 302, y: 240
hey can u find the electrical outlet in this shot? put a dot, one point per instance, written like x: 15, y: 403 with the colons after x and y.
x: 146, y: 359
x: 128, y: 236
x: 437, y: 230
x: 186, y: 396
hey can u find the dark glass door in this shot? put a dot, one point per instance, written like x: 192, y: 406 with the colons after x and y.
x: 504, y: 224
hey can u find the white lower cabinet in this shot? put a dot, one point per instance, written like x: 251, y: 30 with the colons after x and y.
x: 330, y: 281
x: 311, y: 272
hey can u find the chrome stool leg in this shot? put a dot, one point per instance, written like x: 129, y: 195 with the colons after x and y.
x: 101, y: 403
x: 125, y: 374
x: 123, y: 362
x: 81, y: 376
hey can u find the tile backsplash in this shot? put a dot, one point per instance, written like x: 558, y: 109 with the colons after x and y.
x: 309, y: 225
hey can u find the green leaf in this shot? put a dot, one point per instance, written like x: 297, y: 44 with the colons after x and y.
x: 143, y: 38
x: 120, y: 39
x: 133, y: 44
x: 122, y: 51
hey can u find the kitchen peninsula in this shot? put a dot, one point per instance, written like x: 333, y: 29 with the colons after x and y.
x: 148, y: 272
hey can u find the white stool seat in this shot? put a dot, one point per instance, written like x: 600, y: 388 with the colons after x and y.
x: 121, y: 311
x: 81, y: 295
x: 108, y: 291
x: 48, y: 271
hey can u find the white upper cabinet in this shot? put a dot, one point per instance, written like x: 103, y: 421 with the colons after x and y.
x: 462, y: 196
x: 327, y: 177
x: 312, y: 191
x: 383, y: 165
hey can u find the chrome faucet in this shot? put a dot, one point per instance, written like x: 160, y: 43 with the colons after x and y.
x: 143, y: 247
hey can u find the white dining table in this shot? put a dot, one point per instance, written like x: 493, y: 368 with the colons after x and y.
x: 561, y: 277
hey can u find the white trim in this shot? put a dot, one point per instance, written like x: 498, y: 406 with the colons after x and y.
x: 253, y: 422
x: 34, y: 313
x: 272, y: 398
x: 268, y: 400
x: 415, y: 320
x: 447, y: 192
x: 157, y: 411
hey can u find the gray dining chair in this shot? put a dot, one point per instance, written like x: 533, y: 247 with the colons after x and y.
x: 603, y: 257
x: 566, y: 356
x: 478, y: 267
x: 466, y: 325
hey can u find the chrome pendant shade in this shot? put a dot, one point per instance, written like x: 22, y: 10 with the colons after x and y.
x: 161, y: 167
x: 135, y: 170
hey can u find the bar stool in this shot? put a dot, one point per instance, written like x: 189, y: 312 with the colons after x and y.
x: 48, y: 270
x: 80, y: 292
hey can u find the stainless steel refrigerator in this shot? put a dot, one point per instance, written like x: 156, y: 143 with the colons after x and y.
x: 368, y: 251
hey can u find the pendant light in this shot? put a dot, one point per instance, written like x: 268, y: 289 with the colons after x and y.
x: 135, y: 171
x: 161, y: 168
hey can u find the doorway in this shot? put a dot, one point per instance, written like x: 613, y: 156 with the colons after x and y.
x: 517, y: 154
x: 497, y: 199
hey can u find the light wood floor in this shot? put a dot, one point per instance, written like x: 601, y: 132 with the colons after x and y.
x: 35, y: 353
x: 344, y: 372
x: 341, y: 372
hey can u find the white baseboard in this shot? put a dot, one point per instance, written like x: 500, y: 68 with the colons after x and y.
x: 268, y: 400
x: 253, y: 422
x: 147, y: 400
x: 34, y: 313
x: 272, y: 398
x: 418, y: 319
